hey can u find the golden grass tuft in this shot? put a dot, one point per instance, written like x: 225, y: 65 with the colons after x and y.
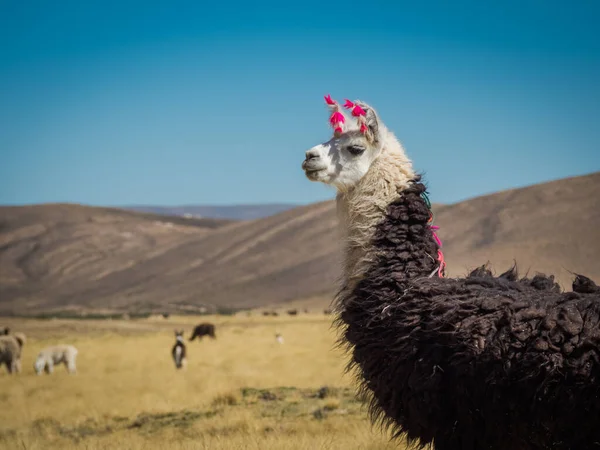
x: 240, y: 391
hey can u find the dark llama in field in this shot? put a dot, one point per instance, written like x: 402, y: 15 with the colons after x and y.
x: 482, y: 362
x: 204, y: 329
x: 178, y: 351
x: 293, y: 312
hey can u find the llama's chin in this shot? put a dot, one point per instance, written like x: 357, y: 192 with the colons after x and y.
x: 317, y: 175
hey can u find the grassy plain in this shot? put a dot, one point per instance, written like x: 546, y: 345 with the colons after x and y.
x: 240, y: 391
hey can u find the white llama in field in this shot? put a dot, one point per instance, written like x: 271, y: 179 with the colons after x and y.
x: 56, y: 354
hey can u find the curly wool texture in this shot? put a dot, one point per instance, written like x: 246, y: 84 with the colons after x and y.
x: 482, y: 362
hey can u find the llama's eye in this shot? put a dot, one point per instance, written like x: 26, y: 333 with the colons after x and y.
x: 356, y: 150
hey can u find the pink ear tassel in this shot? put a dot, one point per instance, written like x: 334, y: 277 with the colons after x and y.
x: 356, y: 110
x: 363, y: 128
x: 337, y: 117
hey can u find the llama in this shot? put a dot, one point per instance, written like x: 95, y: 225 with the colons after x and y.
x: 54, y: 355
x: 178, y: 351
x: 203, y: 329
x: 482, y: 362
x: 11, y: 349
x: 279, y: 338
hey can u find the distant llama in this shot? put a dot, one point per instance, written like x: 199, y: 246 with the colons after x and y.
x: 203, y: 329
x: 293, y: 312
x: 279, y: 338
x: 11, y: 349
x: 481, y: 362
x: 55, y: 355
x: 178, y: 351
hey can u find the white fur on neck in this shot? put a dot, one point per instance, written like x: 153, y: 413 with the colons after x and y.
x: 363, y: 207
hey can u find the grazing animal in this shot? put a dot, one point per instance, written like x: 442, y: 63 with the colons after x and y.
x: 279, y: 338
x: 178, y: 351
x: 482, y: 362
x: 293, y: 312
x: 204, y: 329
x: 54, y: 355
x: 11, y: 349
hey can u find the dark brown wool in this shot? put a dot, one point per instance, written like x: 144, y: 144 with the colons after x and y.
x: 203, y: 329
x: 482, y: 362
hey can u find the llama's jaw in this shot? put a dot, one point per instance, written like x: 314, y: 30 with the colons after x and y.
x: 317, y: 175
x: 315, y: 170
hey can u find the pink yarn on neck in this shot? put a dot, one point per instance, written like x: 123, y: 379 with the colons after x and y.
x: 434, y: 228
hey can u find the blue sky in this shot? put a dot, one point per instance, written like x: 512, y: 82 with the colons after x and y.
x: 131, y: 102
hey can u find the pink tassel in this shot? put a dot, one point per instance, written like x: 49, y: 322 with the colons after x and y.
x: 338, y: 130
x: 328, y: 100
x: 442, y: 264
x: 348, y: 104
x: 337, y: 117
x: 358, y: 111
x: 363, y: 128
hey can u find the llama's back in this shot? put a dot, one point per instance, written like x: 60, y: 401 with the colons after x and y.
x: 58, y: 353
x: 493, y: 361
x: 179, y: 354
x: 9, y: 349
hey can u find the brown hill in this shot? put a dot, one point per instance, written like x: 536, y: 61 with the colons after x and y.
x: 69, y: 256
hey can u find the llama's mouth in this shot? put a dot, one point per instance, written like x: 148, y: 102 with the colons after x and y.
x: 313, y: 171
x: 315, y: 174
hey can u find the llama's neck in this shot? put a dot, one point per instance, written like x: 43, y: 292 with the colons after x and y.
x: 375, y: 210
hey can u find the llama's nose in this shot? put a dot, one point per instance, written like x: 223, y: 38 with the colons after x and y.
x: 312, y: 154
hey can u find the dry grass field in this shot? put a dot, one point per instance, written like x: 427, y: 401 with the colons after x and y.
x: 242, y: 390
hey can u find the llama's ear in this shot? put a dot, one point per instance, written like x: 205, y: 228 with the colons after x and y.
x: 372, y: 123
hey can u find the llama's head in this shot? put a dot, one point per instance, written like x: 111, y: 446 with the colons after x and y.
x: 39, y: 364
x: 346, y: 158
x: 179, y: 335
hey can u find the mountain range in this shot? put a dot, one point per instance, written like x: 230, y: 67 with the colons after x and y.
x: 56, y: 257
